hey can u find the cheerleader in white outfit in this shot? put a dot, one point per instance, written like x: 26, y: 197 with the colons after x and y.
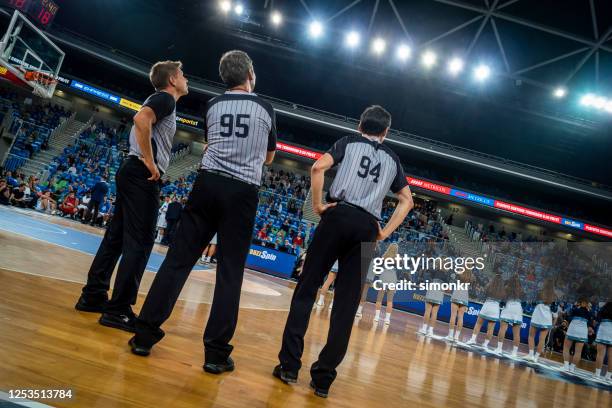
x: 577, y: 332
x: 541, y: 320
x: 511, y: 315
x: 433, y: 299
x: 161, y: 219
x: 490, y: 310
x: 460, y: 300
x: 604, y: 341
x: 388, y: 276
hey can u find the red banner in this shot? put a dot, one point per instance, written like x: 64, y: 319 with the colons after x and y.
x: 527, y: 212
x: 598, y: 230
x: 438, y: 188
x: 299, y: 151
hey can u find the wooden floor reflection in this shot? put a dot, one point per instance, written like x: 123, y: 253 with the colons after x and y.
x: 45, y: 343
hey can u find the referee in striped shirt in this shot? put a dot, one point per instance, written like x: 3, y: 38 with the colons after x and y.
x: 367, y: 170
x: 241, y: 132
x: 131, y: 233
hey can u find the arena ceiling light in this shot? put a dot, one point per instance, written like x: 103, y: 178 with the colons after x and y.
x: 429, y: 59
x: 315, y: 29
x: 225, y: 6
x: 587, y: 100
x: 352, y: 39
x: 455, y: 66
x: 403, y: 52
x: 378, y: 46
x: 239, y: 9
x: 276, y: 18
x: 482, y: 72
x: 599, y: 102
x: 559, y: 92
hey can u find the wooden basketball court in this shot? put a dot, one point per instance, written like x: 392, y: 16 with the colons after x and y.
x: 46, y: 344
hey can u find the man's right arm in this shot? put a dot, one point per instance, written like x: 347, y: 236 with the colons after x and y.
x: 143, y: 124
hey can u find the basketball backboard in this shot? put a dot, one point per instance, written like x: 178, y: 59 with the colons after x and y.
x: 28, y: 57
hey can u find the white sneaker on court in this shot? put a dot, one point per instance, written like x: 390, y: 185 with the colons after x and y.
x: 359, y: 313
x: 388, y: 319
x: 423, y: 329
x: 430, y: 331
x: 471, y: 341
x: 331, y: 304
x: 321, y: 300
x: 377, y: 316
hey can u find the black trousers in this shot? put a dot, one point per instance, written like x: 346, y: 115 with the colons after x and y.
x: 170, y: 231
x: 130, y: 234
x: 221, y: 205
x: 93, y: 205
x: 346, y: 234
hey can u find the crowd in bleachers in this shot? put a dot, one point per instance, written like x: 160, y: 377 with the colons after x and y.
x: 32, y: 124
x: 421, y: 224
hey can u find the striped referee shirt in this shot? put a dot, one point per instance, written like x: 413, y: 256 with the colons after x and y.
x: 367, y: 170
x: 162, y: 132
x: 240, y: 129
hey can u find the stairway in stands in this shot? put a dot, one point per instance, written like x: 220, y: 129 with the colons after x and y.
x: 183, y: 166
x: 63, y: 137
x: 460, y: 240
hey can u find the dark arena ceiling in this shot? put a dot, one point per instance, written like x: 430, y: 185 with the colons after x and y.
x: 531, y: 47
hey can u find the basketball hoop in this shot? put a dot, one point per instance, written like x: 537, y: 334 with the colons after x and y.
x: 40, y: 81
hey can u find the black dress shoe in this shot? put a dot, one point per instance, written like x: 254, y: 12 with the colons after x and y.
x: 284, y: 375
x: 319, y: 392
x: 138, y: 350
x: 85, y: 306
x: 218, y: 368
x: 117, y: 321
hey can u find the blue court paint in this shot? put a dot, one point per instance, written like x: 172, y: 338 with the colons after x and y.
x: 21, y: 223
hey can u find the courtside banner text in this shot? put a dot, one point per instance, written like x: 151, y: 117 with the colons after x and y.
x: 270, y: 261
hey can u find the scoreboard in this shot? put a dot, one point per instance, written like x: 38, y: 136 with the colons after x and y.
x: 41, y: 12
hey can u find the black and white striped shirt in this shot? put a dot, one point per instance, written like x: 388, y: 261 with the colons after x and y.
x: 367, y: 170
x: 162, y: 132
x: 240, y: 129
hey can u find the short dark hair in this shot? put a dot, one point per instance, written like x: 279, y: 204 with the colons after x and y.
x: 161, y: 72
x: 374, y: 120
x: 234, y: 68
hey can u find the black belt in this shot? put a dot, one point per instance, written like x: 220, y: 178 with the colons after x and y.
x: 344, y: 203
x: 228, y: 175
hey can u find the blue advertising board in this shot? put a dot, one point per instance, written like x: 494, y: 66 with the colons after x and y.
x: 270, y: 261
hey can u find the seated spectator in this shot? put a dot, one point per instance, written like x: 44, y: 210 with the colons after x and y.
x: 82, y: 207
x: 298, y: 241
x: 105, y: 212
x: 69, y: 205
x: 5, y: 192
x: 263, y: 233
x: 47, y: 203
x: 12, y: 182
x: 18, y: 196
